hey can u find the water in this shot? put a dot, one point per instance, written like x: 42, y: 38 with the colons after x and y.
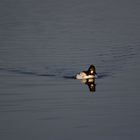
x: 43, y: 44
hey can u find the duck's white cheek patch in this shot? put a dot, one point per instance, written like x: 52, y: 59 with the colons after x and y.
x: 92, y: 71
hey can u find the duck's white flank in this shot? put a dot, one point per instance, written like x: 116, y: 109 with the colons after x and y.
x: 83, y: 75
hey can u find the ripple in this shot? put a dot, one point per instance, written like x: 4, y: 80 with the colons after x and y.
x: 111, y: 61
x: 115, y: 60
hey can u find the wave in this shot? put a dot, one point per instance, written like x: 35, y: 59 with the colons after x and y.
x: 24, y: 72
x: 115, y: 60
x: 110, y: 62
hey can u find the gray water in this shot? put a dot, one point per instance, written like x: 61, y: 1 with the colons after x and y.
x: 45, y: 42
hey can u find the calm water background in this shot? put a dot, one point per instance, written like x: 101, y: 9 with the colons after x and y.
x: 41, y: 42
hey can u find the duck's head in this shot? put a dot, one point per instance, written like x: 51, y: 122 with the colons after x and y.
x: 91, y: 70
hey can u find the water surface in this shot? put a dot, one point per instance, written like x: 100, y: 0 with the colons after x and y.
x: 43, y: 44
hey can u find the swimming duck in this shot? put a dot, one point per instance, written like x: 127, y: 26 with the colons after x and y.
x: 89, y: 74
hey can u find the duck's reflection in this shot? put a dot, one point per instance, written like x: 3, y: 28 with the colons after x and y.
x: 90, y: 83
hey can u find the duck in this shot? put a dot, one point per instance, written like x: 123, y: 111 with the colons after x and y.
x: 89, y: 74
